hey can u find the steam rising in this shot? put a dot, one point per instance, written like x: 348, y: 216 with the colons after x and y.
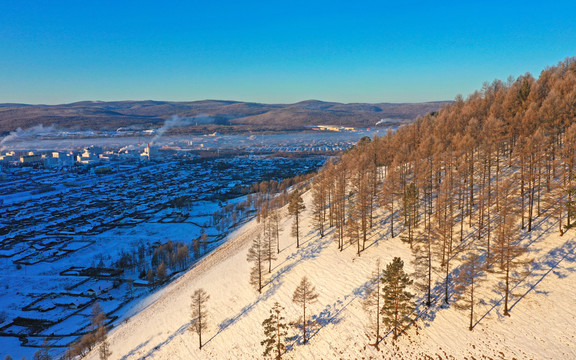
x: 19, y: 133
x: 177, y: 121
x: 384, y: 121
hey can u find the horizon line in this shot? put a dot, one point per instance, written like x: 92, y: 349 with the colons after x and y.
x: 223, y: 100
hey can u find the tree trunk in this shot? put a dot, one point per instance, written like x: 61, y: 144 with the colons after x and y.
x: 446, y: 281
x: 297, y: 231
x: 392, y: 218
x: 522, y: 190
x: 199, y: 324
x: 507, y: 287
x: 378, y: 314
x: 304, y: 322
x: 278, y: 343
x: 396, y: 317
x: 472, y: 302
x: 259, y: 276
x: 471, y: 202
x: 429, y: 300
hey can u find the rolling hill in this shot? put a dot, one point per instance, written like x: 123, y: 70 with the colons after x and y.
x: 228, y: 116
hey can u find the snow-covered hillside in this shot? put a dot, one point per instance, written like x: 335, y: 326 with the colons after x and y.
x: 542, y: 324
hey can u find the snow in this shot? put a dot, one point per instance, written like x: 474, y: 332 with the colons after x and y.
x: 542, y: 324
x: 49, y: 240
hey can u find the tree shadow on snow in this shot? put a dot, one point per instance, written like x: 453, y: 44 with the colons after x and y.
x: 550, y: 263
x: 373, y: 238
x: 437, y: 298
x: 331, y: 314
x: 221, y: 327
x: 538, y: 270
x: 181, y: 331
x: 135, y: 350
x: 309, y: 251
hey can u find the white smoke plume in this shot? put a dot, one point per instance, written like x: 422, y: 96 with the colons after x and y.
x: 177, y: 121
x: 19, y: 133
x: 130, y: 147
x: 384, y: 121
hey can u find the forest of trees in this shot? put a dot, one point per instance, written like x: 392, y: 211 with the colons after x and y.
x: 462, y: 187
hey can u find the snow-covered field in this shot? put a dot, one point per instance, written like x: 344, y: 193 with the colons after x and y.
x: 542, y: 324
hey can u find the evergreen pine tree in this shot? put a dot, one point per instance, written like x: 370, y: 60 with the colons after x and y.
x: 398, y: 302
x: 275, y: 330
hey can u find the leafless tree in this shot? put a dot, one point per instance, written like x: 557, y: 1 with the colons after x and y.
x: 295, y: 208
x: 199, y: 313
x: 304, y: 295
x: 257, y: 255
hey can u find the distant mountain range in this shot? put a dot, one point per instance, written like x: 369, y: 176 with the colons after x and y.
x: 224, y: 116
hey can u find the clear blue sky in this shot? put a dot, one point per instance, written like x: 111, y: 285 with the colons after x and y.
x: 273, y: 51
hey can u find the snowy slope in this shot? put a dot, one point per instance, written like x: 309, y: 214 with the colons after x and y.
x: 542, y: 323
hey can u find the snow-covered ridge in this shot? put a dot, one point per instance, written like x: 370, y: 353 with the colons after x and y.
x: 541, y: 326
